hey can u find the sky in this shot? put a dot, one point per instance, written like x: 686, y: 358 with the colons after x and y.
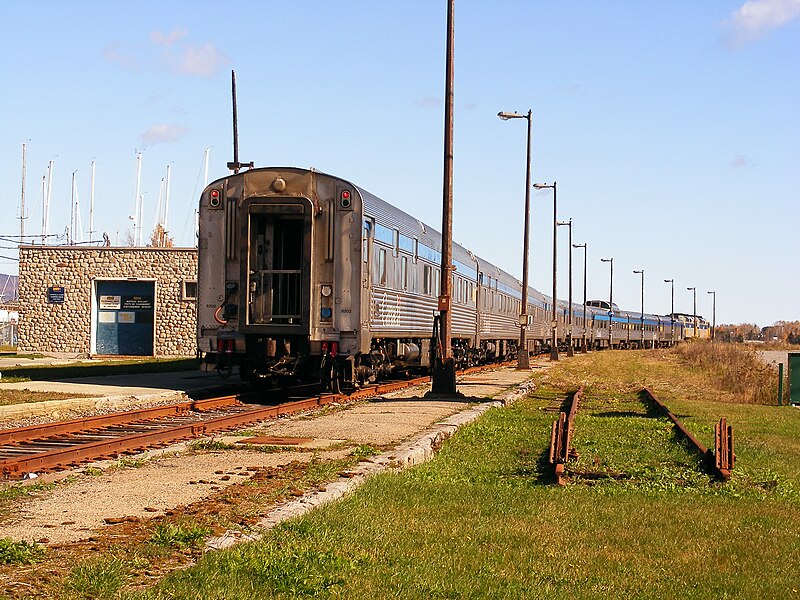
x: 671, y: 128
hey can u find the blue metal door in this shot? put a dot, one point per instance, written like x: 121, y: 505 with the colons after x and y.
x: 125, y: 312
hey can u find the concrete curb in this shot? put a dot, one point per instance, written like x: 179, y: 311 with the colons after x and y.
x: 404, y: 456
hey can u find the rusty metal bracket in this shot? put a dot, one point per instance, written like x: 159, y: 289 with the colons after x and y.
x: 561, y: 438
x: 724, y: 456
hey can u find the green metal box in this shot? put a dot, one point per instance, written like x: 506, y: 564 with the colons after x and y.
x: 794, y: 377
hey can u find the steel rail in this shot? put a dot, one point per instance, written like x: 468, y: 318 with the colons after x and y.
x: 35, y: 432
x: 722, y: 458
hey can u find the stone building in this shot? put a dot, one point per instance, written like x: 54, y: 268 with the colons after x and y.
x: 107, y: 301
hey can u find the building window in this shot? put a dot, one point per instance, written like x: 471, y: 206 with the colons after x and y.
x: 189, y: 290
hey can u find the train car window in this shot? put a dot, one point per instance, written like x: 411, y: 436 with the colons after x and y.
x: 404, y: 272
x: 426, y: 280
x: 395, y: 242
x: 365, y: 241
x: 406, y: 244
x: 382, y: 266
x: 384, y: 234
x: 436, y: 284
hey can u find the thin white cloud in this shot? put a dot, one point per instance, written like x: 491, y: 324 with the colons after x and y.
x: 204, y: 60
x: 740, y: 161
x: 756, y: 18
x: 168, y: 39
x: 116, y: 52
x: 184, y: 57
x: 163, y: 134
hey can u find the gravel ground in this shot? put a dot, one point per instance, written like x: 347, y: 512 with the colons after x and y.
x: 773, y: 357
x: 174, y: 477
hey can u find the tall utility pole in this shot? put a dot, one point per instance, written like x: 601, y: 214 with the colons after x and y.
x: 554, y: 324
x: 570, y: 351
x: 523, y: 359
x: 713, y: 314
x: 584, y: 349
x: 641, y: 328
x: 671, y: 283
x: 610, y: 302
x: 444, y: 371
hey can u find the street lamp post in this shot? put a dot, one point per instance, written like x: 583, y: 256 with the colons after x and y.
x: 641, y: 272
x: 671, y: 283
x: 554, y: 345
x: 584, y: 349
x: 713, y: 314
x: 694, y: 308
x: 570, y: 351
x: 523, y: 360
x: 610, y: 303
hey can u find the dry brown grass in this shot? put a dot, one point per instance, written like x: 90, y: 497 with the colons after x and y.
x: 738, y: 369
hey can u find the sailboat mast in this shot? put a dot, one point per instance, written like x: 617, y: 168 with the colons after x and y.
x: 22, y: 200
x: 91, y: 208
x: 136, y: 225
x: 166, y: 201
x: 46, y: 215
x: 44, y: 203
x: 71, y: 236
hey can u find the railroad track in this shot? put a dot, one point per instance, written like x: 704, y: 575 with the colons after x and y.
x: 65, y: 444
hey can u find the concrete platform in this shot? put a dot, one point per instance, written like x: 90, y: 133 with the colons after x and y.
x: 111, y: 392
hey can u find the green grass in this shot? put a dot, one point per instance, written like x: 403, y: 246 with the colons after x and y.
x: 20, y: 552
x: 97, y: 578
x: 183, y: 535
x: 482, y: 520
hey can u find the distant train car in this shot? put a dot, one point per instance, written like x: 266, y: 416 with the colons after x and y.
x: 306, y: 276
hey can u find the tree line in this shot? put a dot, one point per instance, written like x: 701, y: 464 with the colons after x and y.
x: 781, y: 331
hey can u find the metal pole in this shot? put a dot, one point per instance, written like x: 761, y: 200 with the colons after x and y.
x: 583, y: 348
x: 444, y: 374
x: 610, y: 303
x: 523, y: 359
x: 641, y: 322
x: 780, y: 384
x: 671, y: 283
x: 570, y: 351
x: 554, y: 346
x: 713, y: 315
x: 235, y: 123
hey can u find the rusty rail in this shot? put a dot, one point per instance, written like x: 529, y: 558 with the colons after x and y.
x: 722, y: 458
x: 561, y: 437
x: 34, y: 432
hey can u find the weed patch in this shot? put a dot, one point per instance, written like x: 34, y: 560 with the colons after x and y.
x: 20, y: 553
x: 179, y: 536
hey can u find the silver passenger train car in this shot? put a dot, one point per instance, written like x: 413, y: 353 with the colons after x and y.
x: 305, y: 276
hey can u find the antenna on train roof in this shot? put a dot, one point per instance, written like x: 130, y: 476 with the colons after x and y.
x: 236, y: 165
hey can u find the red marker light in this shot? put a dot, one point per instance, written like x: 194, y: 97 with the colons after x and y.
x: 345, y: 194
x: 215, y: 200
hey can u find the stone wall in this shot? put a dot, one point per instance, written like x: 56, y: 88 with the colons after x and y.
x: 65, y: 328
